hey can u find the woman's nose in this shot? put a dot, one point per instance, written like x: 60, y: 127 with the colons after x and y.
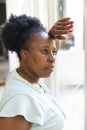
x: 51, y: 57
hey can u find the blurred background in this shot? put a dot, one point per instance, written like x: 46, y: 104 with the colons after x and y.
x: 67, y: 82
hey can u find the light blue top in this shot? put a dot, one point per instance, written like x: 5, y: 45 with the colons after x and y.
x: 37, y: 104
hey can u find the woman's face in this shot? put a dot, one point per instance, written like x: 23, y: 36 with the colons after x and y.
x: 39, y: 59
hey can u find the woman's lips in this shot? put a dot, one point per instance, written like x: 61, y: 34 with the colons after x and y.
x: 50, y: 68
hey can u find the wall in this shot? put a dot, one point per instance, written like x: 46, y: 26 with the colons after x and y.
x: 85, y: 47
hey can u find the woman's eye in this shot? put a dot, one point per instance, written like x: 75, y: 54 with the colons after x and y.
x: 45, y: 52
x: 54, y: 52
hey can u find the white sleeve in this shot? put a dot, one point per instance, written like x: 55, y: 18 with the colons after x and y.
x: 23, y: 105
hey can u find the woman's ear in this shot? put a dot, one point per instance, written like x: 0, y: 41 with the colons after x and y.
x: 23, y: 54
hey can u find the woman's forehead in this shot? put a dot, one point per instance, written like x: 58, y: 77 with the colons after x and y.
x: 48, y: 44
x: 43, y: 45
x: 41, y: 40
x: 42, y: 35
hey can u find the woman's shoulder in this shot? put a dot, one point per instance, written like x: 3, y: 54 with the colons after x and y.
x: 16, y: 85
x: 16, y: 81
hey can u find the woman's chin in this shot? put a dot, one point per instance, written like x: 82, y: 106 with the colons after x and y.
x: 46, y: 76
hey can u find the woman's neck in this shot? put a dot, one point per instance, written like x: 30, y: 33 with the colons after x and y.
x: 27, y: 76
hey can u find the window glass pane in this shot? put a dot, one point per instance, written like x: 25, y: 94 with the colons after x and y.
x: 71, y: 66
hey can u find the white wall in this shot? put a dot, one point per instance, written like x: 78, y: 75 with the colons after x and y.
x: 85, y: 47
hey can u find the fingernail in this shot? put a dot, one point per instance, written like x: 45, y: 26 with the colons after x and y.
x: 72, y: 22
x: 69, y: 18
x: 70, y: 31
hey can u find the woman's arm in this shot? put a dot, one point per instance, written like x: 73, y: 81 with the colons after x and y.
x: 14, y: 123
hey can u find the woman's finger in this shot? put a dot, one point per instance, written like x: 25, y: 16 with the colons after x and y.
x: 64, y: 19
x: 59, y: 27
x: 65, y: 23
x: 61, y: 32
x: 60, y: 37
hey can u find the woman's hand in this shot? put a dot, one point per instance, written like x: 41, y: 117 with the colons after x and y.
x: 61, y: 27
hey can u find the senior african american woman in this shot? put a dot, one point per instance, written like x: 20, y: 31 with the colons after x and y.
x: 27, y: 103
